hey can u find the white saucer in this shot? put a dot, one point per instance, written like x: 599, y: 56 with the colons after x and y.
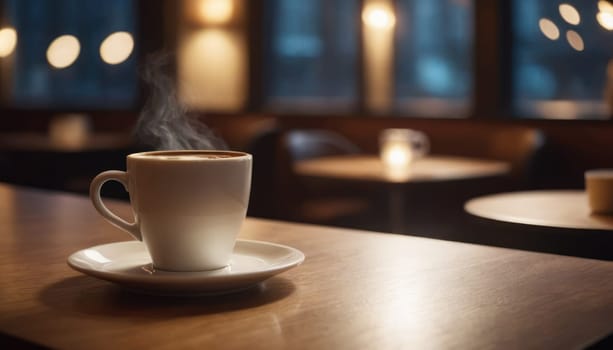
x: 128, y: 264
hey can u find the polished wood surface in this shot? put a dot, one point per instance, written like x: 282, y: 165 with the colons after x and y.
x: 355, y: 290
x: 560, y: 208
x: 428, y: 169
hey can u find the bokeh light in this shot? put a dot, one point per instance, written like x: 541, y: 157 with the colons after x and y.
x: 605, y: 6
x: 549, y: 29
x: 117, y: 47
x: 575, y: 40
x: 570, y: 14
x: 605, y: 16
x: 378, y: 15
x: 605, y: 19
x: 215, y: 11
x: 63, y: 51
x: 8, y: 41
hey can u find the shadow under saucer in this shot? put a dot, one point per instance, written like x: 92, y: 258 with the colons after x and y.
x: 86, y: 295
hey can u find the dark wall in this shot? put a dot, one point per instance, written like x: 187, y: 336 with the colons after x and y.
x: 571, y: 146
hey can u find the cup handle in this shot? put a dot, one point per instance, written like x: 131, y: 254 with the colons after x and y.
x: 94, y: 195
x: 423, y: 145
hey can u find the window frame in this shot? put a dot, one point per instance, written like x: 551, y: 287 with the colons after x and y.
x: 492, y: 93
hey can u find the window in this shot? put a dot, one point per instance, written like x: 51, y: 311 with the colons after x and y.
x: 433, y: 66
x: 315, y: 60
x: 560, y: 58
x: 71, y: 74
x: 312, y: 54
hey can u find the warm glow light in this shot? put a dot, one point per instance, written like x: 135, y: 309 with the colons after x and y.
x: 69, y: 131
x: 212, y: 69
x: 8, y: 41
x: 605, y: 6
x: 215, y: 11
x: 398, y: 148
x: 605, y: 19
x: 117, y: 47
x: 549, y: 29
x: 378, y: 15
x: 397, y: 155
x: 378, y: 50
x: 570, y: 14
x: 575, y: 40
x: 605, y: 16
x: 397, y: 158
x: 63, y: 51
x: 558, y: 109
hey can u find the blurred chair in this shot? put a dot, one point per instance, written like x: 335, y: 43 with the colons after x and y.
x: 305, y: 144
x: 260, y: 136
x: 318, y: 201
x: 520, y: 146
x: 264, y: 184
x: 436, y: 210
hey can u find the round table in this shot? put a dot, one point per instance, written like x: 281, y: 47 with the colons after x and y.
x: 428, y: 169
x: 560, y: 209
x: 370, y: 168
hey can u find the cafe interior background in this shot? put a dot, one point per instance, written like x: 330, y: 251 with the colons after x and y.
x: 527, y: 82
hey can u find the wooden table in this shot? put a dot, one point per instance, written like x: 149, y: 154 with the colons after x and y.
x: 355, y: 290
x: 369, y: 168
x: 561, y: 209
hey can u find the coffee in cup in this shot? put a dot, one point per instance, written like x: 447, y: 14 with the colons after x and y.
x: 188, y: 205
x: 599, y: 187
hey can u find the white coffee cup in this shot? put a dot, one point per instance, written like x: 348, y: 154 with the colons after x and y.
x: 599, y: 187
x: 188, y: 205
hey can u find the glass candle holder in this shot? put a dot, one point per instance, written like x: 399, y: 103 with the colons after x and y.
x: 398, y: 148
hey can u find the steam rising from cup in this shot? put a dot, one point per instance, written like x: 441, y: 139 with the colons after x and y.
x: 164, y: 123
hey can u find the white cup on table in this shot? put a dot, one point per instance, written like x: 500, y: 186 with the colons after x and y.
x: 599, y: 188
x: 188, y: 205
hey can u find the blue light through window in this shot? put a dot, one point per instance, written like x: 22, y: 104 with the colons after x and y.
x: 434, y: 57
x: 312, y: 53
x: 88, y: 82
x: 560, y: 67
